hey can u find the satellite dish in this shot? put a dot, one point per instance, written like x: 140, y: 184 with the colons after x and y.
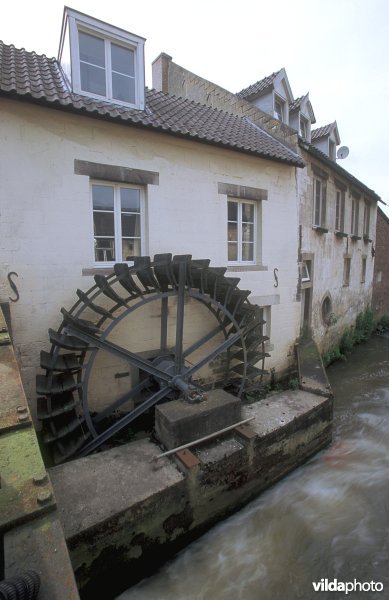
x: 342, y: 152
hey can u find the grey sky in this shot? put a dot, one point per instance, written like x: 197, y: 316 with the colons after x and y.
x: 334, y: 49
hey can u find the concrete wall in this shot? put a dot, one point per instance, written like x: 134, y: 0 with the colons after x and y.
x: 125, y: 514
x: 380, y: 302
x: 46, y: 233
x: 328, y: 251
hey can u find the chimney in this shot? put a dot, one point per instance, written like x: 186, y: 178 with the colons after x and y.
x: 160, y: 72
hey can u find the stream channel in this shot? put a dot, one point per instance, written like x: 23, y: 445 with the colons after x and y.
x: 329, y: 519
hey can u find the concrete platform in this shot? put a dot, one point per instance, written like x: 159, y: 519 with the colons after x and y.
x: 179, y: 422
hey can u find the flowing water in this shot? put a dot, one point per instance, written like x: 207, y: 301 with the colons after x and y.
x: 327, y: 520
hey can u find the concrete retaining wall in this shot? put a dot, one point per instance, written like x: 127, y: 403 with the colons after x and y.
x: 124, y: 513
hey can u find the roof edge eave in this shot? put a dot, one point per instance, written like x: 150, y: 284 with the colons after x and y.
x: 57, y: 104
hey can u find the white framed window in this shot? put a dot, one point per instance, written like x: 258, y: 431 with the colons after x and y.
x: 279, y: 109
x: 118, y: 222
x: 303, y: 127
x: 305, y: 272
x: 363, y: 269
x: 242, y: 232
x: 266, y: 318
x: 106, y: 62
x: 366, y: 220
x: 319, y: 202
x: 331, y: 149
x: 339, y: 210
x: 354, y: 215
x: 346, y: 270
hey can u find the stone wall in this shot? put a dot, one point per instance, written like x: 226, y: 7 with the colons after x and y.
x: 124, y: 513
x: 327, y: 251
x: 380, y: 302
x: 173, y: 79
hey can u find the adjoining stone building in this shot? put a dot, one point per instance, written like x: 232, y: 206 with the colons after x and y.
x: 98, y: 170
x: 380, y: 301
x: 337, y: 212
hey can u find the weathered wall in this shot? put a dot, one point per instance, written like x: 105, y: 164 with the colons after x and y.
x: 380, y: 302
x: 125, y: 514
x: 46, y: 230
x: 174, y: 79
x: 328, y: 252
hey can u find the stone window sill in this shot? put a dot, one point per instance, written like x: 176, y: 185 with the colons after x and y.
x: 341, y: 234
x: 319, y: 229
x: 366, y: 239
x: 355, y: 238
x: 91, y: 271
x: 244, y: 268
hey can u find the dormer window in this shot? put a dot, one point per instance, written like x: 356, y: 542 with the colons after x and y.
x: 303, y: 128
x: 279, y: 109
x: 331, y: 150
x: 106, y: 69
x: 105, y: 62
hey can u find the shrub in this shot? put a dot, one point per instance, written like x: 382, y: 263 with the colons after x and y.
x: 365, y: 325
x: 383, y: 324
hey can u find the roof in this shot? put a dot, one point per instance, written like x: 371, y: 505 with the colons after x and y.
x: 298, y: 104
x: 37, y: 78
x: 338, y: 169
x: 259, y: 87
x: 322, y: 131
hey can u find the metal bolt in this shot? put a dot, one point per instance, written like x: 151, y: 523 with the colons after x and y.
x: 23, y: 418
x: 40, y: 478
x: 21, y: 409
x: 44, y: 497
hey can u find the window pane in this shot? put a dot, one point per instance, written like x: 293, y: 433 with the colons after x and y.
x: 102, y: 197
x: 130, y: 249
x: 130, y: 200
x: 248, y: 213
x: 317, y: 202
x: 91, y: 49
x: 122, y: 60
x: 104, y: 249
x: 232, y: 251
x: 232, y: 232
x: 232, y: 211
x: 278, y: 110
x: 123, y: 88
x: 103, y: 223
x: 247, y: 233
x: 130, y: 225
x: 92, y: 79
x: 248, y: 251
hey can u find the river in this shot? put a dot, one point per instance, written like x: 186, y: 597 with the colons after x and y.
x: 329, y: 519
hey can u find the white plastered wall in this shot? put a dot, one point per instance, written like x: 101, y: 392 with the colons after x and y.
x: 46, y: 225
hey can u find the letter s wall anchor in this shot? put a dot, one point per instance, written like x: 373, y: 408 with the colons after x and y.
x: 13, y: 286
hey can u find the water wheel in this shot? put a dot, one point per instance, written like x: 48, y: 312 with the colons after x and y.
x: 157, y: 330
